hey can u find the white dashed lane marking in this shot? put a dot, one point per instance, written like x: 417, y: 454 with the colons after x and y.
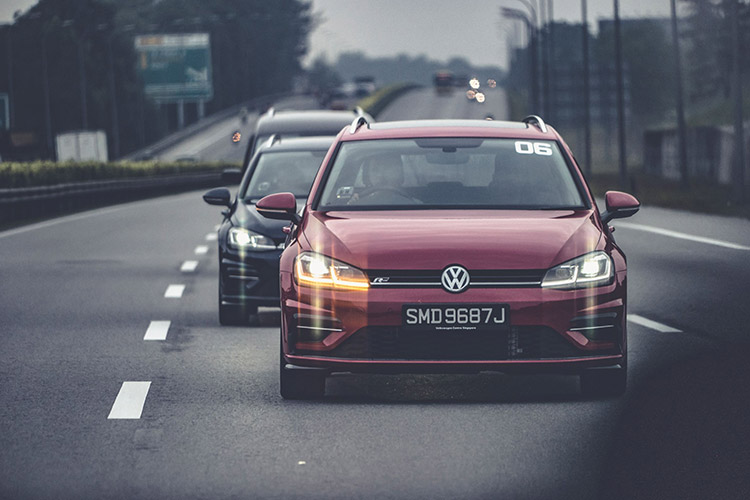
x: 157, y: 330
x: 174, y: 291
x: 201, y: 250
x: 189, y: 266
x: 681, y: 236
x: 212, y: 237
x: 130, y: 400
x: 653, y: 325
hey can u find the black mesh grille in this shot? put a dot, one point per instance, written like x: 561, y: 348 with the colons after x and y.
x: 479, y: 278
x: 383, y: 343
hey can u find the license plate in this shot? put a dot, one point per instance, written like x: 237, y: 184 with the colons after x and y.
x: 455, y: 317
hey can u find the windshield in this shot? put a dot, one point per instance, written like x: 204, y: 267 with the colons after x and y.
x: 292, y: 171
x: 450, y: 173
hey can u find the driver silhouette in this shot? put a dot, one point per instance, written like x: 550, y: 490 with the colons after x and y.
x: 383, y: 177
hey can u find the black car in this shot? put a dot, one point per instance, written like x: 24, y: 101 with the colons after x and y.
x: 250, y: 245
x: 298, y: 123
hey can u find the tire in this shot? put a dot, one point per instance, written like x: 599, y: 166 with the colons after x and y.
x: 610, y: 382
x: 232, y: 315
x: 300, y: 383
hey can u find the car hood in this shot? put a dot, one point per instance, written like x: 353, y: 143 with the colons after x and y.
x: 479, y: 240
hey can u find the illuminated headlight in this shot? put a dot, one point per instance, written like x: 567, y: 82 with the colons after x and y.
x: 317, y: 270
x: 592, y: 269
x: 245, y: 239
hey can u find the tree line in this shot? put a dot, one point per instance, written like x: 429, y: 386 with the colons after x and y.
x: 72, y: 63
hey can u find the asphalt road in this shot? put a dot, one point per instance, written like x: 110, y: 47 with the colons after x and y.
x: 81, y: 298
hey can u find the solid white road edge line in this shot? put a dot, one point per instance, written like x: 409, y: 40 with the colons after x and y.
x: 174, y: 291
x: 130, y: 400
x: 157, y: 330
x: 682, y: 236
x: 653, y: 325
x: 189, y: 266
x: 201, y: 250
x: 59, y: 220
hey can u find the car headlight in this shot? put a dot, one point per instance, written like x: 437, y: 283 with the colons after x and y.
x: 244, y: 239
x: 592, y: 269
x: 317, y: 270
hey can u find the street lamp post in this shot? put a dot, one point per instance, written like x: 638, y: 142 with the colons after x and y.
x: 45, y: 79
x: 11, y: 116
x: 681, y: 129
x: 544, y: 49
x: 586, y: 88
x: 82, y: 83
x: 115, y: 124
x: 620, y: 99
x: 740, y: 194
x: 533, y: 8
x: 532, y: 47
x: 551, y: 58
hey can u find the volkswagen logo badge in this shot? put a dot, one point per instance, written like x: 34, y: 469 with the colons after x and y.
x: 455, y: 279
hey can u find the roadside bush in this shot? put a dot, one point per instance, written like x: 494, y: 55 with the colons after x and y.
x: 45, y: 173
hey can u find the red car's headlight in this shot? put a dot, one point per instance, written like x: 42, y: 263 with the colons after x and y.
x: 317, y: 270
x: 592, y: 269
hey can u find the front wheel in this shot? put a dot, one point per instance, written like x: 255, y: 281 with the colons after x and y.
x: 232, y: 315
x: 300, y: 383
x: 610, y: 382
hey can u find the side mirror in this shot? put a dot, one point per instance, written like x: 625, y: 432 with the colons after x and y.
x: 619, y: 205
x: 280, y: 206
x: 218, y: 196
x: 231, y: 175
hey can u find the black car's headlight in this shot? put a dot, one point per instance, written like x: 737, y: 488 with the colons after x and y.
x: 313, y: 269
x: 592, y: 269
x: 244, y: 239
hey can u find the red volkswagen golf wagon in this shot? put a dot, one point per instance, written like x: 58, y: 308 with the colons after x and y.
x: 451, y: 246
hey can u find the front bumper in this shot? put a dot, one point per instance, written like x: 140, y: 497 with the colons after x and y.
x: 550, y: 330
x: 250, y: 279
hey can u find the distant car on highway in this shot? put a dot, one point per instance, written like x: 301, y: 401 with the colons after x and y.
x: 297, y: 123
x: 364, y: 86
x: 443, y: 81
x: 250, y: 245
x: 451, y: 245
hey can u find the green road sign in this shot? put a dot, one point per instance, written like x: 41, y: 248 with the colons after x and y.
x: 4, y: 112
x: 175, y: 67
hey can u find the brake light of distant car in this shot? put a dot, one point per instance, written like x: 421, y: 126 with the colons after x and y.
x: 245, y: 239
x: 317, y: 270
x: 592, y: 269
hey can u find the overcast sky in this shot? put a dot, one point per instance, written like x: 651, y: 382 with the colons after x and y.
x: 439, y: 29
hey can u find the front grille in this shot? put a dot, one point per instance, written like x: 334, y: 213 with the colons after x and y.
x: 395, y: 343
x: 479, y: 278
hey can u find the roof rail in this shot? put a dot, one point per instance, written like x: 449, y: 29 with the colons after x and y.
x: 273, y: 140
x: 539, y: 122
x: 358, y: 122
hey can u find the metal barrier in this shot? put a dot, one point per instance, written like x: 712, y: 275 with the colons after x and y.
x: 46, y: 201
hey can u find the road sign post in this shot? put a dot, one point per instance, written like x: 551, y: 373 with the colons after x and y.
x: 175, y: 68
x: 4, y: 112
